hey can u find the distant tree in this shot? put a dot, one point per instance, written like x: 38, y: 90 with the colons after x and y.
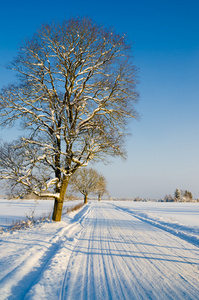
x: 177, y: 194
x: 84, y: 181
x: 101, y: 188
x: 137, y: 199
x: 188, y: 195
x: 168, y: 198
x: 76, y: 93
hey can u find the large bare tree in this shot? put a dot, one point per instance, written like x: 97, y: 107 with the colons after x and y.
x: 74, y: 96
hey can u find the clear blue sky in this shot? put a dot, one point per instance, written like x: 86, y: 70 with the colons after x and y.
x: 163, y: 151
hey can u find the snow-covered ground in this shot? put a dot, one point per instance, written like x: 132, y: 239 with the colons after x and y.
x: 12, y: 211
x: 107, y: 250
x: 185, y: 213
x: 181, y: 219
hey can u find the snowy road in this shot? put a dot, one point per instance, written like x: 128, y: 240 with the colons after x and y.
x: 104, y: 253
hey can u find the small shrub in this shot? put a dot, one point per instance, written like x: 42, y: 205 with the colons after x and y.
x: 73, y: 208
x: 28, y: 222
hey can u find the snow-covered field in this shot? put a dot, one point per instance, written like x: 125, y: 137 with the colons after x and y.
x: 185, y: 213
x: 12, y: 211
x: 107, y: 250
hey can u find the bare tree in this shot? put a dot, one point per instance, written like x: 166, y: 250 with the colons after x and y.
x: 88, y: 181
x: 85, y: 181
x: 75, y: 95
x: 101, y: 188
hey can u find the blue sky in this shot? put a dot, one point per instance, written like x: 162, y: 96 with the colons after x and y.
x: 163, y: 151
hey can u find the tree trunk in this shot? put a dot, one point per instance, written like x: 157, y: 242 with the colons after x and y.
x: 57, y: 211
x: 85, y: 199
x: 58, y: 204
x: 99, y: 197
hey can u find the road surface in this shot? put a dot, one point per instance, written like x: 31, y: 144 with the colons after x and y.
x: 105, y: 253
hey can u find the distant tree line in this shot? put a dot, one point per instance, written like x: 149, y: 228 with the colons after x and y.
x: 179, y: 196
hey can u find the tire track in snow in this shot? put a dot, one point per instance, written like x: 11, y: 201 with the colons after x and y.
x: 175, y: 256
x: 133, y: 260
x: 44, y: 287
x: 193, y: 239
x: 110, y: 277
x: 29, y: 268
x: 141, y: 288
x: 107, y: 253
x: 130, y: 284
x: 22, y: 277
x: 73, y: 258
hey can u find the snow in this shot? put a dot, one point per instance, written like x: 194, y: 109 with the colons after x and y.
x: 181, y: 219
x: 183, y: 212
x: 106, y: 250
x: 12, y: 211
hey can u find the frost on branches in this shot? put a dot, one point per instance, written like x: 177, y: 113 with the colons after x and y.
x: 75, y: 94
